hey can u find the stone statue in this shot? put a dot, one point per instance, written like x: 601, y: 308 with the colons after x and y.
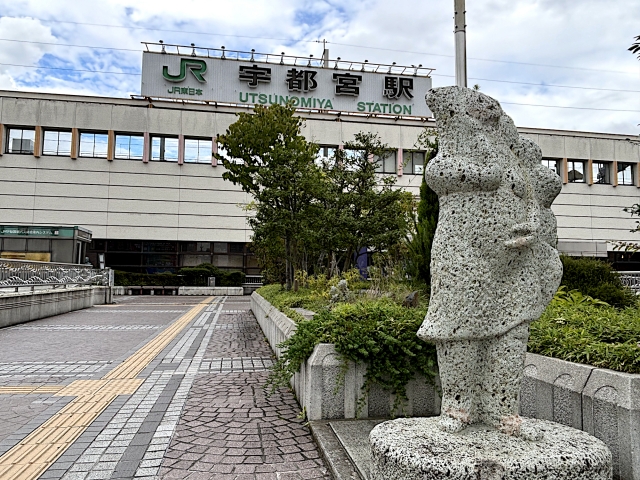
x: 494, y: 269
x: 494, y: 266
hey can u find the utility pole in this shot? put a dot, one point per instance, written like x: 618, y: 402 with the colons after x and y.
x: 325, y: 54
x: 461, y: 42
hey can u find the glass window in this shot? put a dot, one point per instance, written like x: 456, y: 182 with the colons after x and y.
x: 56, y: 143
x: 387, y: 164
x: 413, y: 163
x: 236, y: 248
x: 129, y: 147
x: 223, y: 153
x: 197, y: 151
x: 164, y: 149
x: 552, y: 164
x: 219, y: 247
x: 625, y: 174
x: 575, y: 169
x: 325, y: 153
x: 601, y: 172
x: 94, y: 144
x: 21, y: 140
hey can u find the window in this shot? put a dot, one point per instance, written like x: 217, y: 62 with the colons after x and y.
x: 21, y: 140
x: 164, y: 149
x: 93, y: 145
x: 386, y: 164
x: 575, y: 171
x: 197, y: 151
x: 625, y: 174
x: 601, y: 172
x: 552, y: 164
x: 56, y: 143
x: 129, y: 147
x: 325, y: 153
x: 223, y: 153
x: 413, y: 163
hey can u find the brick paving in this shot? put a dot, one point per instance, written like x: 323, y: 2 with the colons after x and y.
x: 200, y: 411
x: 229, y: 428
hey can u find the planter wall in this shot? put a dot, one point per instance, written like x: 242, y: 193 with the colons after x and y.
x: 604, y: 403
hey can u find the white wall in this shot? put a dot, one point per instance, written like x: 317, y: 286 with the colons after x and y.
x: 129, y: 199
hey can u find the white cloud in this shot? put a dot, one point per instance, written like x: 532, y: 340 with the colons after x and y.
x: 591, y: 34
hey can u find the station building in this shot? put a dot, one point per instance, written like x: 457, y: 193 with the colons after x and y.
x: 139, y: 173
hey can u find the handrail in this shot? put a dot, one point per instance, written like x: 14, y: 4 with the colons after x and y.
x: 26, y: 273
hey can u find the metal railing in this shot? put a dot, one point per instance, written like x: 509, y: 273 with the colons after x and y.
x: 282, y: 59
x: 631, y: 280
x: 252, y: 280
x: 15, y: 274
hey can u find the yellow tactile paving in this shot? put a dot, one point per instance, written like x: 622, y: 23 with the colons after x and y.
x: 33, y: 455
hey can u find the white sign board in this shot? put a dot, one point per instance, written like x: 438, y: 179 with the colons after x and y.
x: 245, y: 82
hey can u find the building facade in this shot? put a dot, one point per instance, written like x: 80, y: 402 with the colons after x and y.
x: 140, y: 175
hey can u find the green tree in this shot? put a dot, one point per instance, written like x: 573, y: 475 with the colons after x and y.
x: 425, y: 220
x: 269, y: 159
x: 635, y: 47
x: 360, y: 207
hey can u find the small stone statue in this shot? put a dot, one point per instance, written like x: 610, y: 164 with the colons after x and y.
x: 494, y: 269
x: 494, y: 266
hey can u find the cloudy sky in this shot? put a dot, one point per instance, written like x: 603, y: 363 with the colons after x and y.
x: 559, y: 64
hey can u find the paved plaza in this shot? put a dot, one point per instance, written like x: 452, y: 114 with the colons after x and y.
x: 152, y: 387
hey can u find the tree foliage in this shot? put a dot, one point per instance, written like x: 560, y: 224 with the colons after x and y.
x: 360, y: 207
x: 425, y: 220
x: 269, y: 158
x: 310, y: 215
x: 635, y: 47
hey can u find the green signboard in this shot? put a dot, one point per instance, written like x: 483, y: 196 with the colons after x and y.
x: 20, y: 231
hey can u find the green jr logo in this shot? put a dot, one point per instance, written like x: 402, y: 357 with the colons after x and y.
x: 197, y: 68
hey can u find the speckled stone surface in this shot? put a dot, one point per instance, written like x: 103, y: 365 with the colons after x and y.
x: 418, y: 449
x: 494, y: 265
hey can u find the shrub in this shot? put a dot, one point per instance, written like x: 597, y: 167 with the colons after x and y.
x: 597, y: 279
x: 187, y: 276
x: 380, y: 333
x: 596, y: 335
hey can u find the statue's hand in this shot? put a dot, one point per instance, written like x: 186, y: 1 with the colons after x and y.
x: 525, y: 234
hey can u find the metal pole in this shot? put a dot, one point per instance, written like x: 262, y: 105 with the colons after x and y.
x: 461, y: 42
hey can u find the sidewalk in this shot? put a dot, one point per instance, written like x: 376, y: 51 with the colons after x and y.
x: 148, y: 388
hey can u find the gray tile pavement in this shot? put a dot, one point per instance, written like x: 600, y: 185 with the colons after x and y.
x: 200, y: 413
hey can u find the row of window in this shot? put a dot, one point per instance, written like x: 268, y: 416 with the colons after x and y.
x: 95, y: 145
x: 163, y: 148
x: 601, y: 172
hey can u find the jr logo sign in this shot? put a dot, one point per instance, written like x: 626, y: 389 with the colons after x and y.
x: 197, y: 67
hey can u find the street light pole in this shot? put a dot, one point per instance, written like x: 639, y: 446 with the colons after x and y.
x: 461, y: 42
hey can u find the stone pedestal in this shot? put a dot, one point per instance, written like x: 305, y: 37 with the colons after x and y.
x: 416, y: 449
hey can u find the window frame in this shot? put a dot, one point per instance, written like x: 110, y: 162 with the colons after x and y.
x: 198, y: 139
x: 381, y: 163
x: 607, y: 165
x: 130, y: 135
x: 631, y: 173
x: 558, y: 165
x: 58, y: 131
x: 408, y: 166
x: 571, y: 168
x: 162, y: 154
x: 7, y: 146
x: 94, y: 133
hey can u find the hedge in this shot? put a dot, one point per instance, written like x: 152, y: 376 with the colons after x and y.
x: 187, y: 276
x: 597, y: 279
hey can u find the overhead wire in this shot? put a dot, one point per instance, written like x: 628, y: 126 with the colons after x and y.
x: 315, y: 41
x: 544, y: 85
